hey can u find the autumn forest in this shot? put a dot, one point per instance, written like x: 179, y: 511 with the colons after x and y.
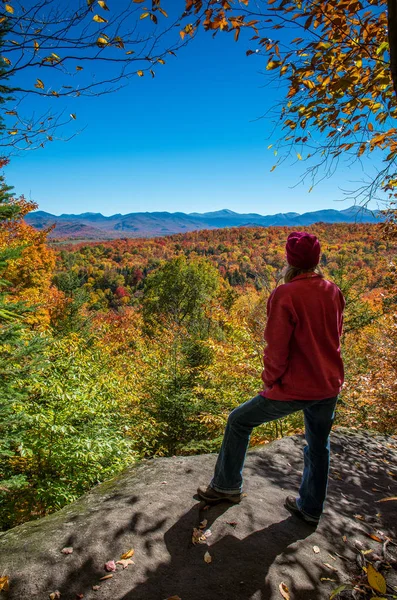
x: 139, y: 348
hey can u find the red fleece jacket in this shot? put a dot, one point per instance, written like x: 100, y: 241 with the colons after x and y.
x: 304, y: 323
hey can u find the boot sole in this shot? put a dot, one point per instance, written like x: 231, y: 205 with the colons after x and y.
x: 210, y: 500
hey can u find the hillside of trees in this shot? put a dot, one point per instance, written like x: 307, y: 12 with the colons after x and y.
x: 115, y: 351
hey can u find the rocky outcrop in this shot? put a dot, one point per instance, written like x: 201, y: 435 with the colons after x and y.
x: 254, y: 546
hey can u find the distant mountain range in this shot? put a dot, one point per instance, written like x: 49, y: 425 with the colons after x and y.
x: 94, y: 226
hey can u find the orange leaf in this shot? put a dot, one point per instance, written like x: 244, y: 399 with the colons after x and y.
x: 4, y: 583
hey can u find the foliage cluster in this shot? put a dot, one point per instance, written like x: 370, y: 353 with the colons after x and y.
x: 112, y: 352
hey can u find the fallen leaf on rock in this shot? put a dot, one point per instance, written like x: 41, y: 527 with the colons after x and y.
x: 110, y: 565
x: 198, y: 537
x: 67, y: 550
x: 203, y: 524
x: 340, y: 589
x: 96, y: 587
x: 316, y: 549
x: 124, y: 562
x: 4, y: 583
x: 284, y: 591
x: 328, y: 579
x: 359, y: 517
x: 232, y: 523
x: 387, y: 499
x: 376, y: 580
x: 127, y: 554
x: 207, y: 557
x: 374, y: 537
x: 55, y: 595
x: 330, y: 567
x: 106, y: 577
x: 333, y: 557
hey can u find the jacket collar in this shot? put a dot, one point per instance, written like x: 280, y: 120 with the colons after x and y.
x: 305, y: 276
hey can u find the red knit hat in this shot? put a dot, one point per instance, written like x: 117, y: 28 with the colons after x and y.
x: 303, y: 250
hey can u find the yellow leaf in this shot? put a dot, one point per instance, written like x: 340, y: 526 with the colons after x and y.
x: 55, y: 56
x: 271, y: 65
x: 270, y: 146
x: 376, y: 580
x: 208, y: 558
x: 300, y: 158
x: 103, y: 4
x: 6, y: 60
x: 130, y: 52
x: 9, y: 9
x: 36, y: 46
x: 273, y: 167
x: 163, y: 12
x: 101, y: 42
x: 182, y: 34
x: 39, y: 84
x: 4, y: 583
x: 99, y: 19
x: 139, y: 73
x: 73, y: 116
x: 78, y: 68
x: 284, y: 591
x: 359, y: 63
x: 127, y: 554
x: 55, y: 94
x: 388, y: 499
x: 144, y: 15
x: 11, y: 112
x: 13, y: 132
x: 310, y: 84
x: 161, y: 61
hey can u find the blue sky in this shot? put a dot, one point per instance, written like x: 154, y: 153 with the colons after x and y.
x: 190, y: 140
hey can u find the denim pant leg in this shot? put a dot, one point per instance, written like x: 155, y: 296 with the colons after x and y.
x: 319, y: 417
x: 228, y: 470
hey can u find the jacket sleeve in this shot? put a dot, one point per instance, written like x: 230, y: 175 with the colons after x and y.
x: 278, y: 332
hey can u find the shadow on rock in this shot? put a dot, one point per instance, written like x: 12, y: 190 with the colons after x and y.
x: 239, y: 566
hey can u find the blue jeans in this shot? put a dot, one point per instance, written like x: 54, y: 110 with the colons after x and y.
x: 319, y: 416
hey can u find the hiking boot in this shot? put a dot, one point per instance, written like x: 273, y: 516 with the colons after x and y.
x: 211, y: 496
x: 292, y: 506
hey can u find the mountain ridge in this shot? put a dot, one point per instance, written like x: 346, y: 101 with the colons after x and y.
x: 96, y: 226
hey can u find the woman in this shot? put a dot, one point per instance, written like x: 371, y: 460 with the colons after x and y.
x: 303, y: 370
